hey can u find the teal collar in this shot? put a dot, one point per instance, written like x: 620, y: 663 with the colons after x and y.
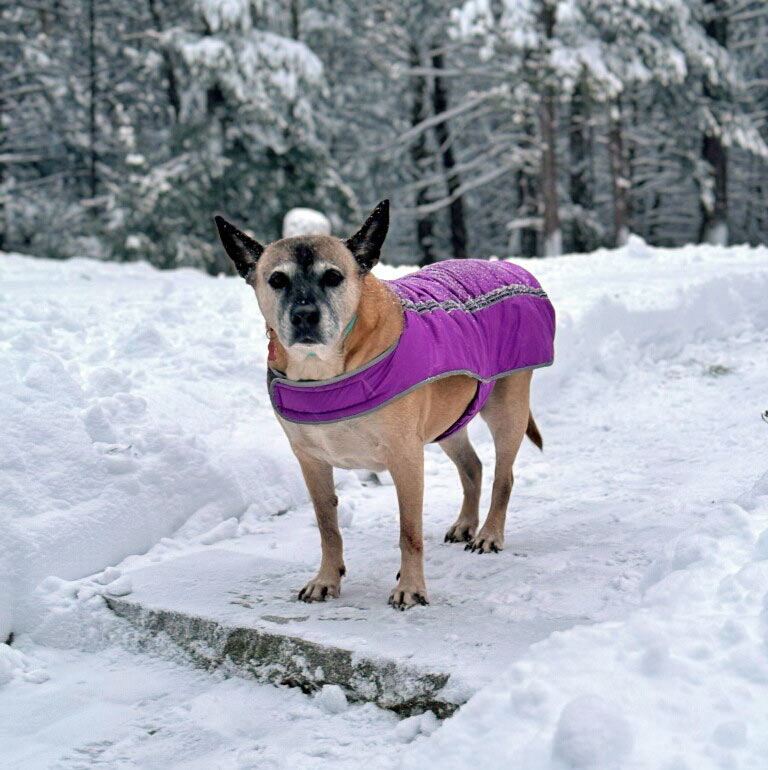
x: 350, y: 326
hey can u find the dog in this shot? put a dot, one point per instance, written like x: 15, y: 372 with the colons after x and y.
x: 359, y: 378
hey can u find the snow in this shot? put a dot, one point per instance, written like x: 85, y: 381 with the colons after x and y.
x: 303, y: 221
x: 224, y: 14
x: 116, y: 393
x: 682, y: 679
x: 332, y: 699
x: 95, y: 711
x: 592, y: 732
x: 553, y: 244
x: 136, y: 430
x: 717, y: 234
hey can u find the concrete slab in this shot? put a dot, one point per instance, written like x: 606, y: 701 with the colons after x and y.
x: 238, y: 611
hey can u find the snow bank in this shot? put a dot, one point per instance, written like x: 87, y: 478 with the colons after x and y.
x: 679, y: 684
x: 133, y: 409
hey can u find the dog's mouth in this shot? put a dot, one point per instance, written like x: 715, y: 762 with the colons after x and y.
x: 307, y: 338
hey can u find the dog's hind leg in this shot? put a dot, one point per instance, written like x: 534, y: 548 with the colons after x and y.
x: 459, y: 449
x: 319, y: 478
x: 506, y: 413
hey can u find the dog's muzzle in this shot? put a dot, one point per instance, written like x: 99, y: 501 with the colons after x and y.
x: 305, y: 320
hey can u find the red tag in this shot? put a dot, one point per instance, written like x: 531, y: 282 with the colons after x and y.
x: 271, y: 356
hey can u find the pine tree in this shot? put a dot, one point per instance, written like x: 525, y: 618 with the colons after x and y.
x: 521, y: 40
x: 245, y: 142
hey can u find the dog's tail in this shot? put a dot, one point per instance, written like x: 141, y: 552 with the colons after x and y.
x: 532, y: 431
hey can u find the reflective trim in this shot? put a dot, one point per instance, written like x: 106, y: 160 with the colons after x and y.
x: 274, y: 380
x: 475, y: 303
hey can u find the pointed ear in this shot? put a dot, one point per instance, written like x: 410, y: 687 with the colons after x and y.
x: 366, y: 243
x: 242, y: 250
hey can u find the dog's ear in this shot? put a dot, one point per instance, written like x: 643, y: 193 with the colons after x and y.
x: 242, y: 250
x: 366, y: 243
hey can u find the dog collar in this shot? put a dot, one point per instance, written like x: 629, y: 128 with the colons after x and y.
x: 346, y: 334
x: 350, y: 326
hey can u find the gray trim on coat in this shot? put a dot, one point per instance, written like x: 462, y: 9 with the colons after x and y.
x: 465, y: 372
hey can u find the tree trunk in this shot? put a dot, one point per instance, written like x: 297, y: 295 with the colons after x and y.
x: 420, y: 158
x: 528, y: 234
x: 657, y: 206
x: 452, y: 179
x: 580, y: 151
x: 92, y: 182
x: 3, y: 223
x: 714, y: 199
x: 553, y: 241
x: 714, y: 195
x: 296, y: 19
x: 525, y: 239
x: 619, y: 181
x: 171, y: 90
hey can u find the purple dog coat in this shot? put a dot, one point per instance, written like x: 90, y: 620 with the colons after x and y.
x: 462, y: 316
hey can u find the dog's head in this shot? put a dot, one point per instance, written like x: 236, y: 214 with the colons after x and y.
x: 308, y: 287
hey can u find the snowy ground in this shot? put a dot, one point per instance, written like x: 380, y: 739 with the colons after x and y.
x: 136, y: 429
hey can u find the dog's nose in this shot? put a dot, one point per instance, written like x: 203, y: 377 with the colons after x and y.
x: 306, y: 315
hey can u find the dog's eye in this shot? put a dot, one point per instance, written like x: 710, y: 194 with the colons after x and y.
x: 332, y: 278
x: 278, y: 280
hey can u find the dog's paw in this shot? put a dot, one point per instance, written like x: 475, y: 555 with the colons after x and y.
x: 460, y: 532
x: 485, y: 542
x: 404, y: 596
x: 319, y: 589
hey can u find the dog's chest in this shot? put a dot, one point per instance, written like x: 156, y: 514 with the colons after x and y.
x: 354, y: 443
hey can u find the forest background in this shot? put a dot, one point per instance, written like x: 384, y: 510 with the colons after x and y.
x: 496, y: 127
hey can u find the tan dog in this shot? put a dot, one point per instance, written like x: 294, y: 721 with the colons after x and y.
x: 310, y: 290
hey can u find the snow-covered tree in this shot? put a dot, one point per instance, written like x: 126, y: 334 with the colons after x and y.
x: 386, y: 65
x: 494, y: 126
x: 245, y: 140
x: 665, y: 85
x: 148, y: 121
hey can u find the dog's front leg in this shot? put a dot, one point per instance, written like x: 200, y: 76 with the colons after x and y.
x: 407, y: 471
x: 319, y: 478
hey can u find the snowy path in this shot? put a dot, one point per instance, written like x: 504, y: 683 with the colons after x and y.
x: 651, y: 428
x: 117, y: 710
